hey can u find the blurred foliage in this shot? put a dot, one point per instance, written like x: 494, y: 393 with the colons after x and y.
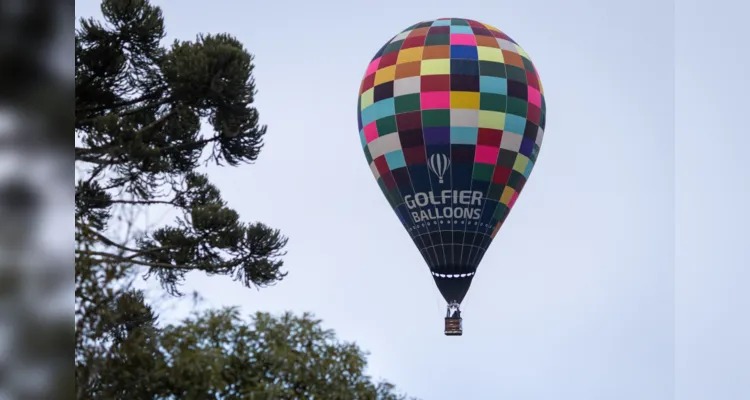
x: 139, y: 110
x: 35, y: 118
x: 32, y: 81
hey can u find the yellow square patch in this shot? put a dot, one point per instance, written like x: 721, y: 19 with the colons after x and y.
x: 384, y: 75
x: 490, y: 54
x: 465, y: 100
x: 410, y: 55
x: 436, y: 67
x: 491, y: 119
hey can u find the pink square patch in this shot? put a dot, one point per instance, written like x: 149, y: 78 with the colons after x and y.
x: 371, y: 132
x: 535, y: 97
x: 486, y: 154
x: 433, y: 100
x: 372, y: 67
x: 464, y: 39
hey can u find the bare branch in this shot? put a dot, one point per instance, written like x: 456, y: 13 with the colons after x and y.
x: 144, y: 202
x: 127, y: 260
x: 104, y: 239
x: 150, y: 96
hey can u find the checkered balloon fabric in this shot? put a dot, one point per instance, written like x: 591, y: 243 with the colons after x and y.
x: 451, y: 118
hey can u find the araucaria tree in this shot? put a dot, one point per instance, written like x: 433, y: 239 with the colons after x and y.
x: 139, y: 110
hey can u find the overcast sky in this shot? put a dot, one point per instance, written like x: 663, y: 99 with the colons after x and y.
x: 576, y: 297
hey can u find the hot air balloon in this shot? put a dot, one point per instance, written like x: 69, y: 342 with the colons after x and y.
x: 451, y: 117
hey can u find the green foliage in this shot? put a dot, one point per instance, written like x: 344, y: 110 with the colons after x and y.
x: 216, y: 355
x: 139, y: 111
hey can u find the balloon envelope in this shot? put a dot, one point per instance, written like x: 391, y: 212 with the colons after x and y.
x: 451, y: 118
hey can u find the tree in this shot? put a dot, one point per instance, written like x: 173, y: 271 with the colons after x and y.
x: 216, y: 355
x: 138, y: 117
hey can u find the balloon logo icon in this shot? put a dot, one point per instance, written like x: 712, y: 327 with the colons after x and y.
x: 451, y: 117
x: 439, y: 164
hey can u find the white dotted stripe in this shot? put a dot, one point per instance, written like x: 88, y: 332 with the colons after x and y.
x: 452, y: 276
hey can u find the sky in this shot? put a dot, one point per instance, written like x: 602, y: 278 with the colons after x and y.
x: 619, y: 273
x: 712, y: 252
